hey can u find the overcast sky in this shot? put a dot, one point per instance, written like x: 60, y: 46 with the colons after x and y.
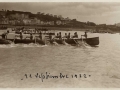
x: 99, y: 12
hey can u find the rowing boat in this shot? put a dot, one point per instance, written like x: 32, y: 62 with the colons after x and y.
x: 91, y: 41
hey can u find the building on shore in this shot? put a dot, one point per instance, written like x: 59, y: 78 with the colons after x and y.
x: 28, y: 18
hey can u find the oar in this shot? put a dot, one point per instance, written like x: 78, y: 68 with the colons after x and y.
x: 64, y: 42
x: 54, y: 42
x: 76, y: 42
x: 84, y: 42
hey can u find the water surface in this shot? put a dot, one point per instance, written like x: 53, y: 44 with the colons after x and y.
x: 102, y: 63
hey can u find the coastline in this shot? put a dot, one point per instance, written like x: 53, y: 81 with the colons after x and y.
x: 62, y: 28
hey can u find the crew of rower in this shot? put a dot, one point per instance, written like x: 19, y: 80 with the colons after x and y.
x: 69, y: 36
x: 85, y: 35
x: 59, y: 36
x: 30, y: 36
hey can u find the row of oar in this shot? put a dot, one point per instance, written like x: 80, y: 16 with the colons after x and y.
x: 78, y: 43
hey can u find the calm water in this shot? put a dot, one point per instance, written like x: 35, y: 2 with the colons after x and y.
x: 102, y: 63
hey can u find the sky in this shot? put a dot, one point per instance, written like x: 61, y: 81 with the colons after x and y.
x: 98, y: 12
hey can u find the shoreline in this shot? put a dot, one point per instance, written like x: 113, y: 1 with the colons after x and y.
x: 53, y: 28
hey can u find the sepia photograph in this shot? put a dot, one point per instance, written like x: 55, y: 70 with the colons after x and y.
x: 59, y: 44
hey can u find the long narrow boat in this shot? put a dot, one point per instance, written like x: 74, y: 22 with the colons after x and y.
x: 91, y: 41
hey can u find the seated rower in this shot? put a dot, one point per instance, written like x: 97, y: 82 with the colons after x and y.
x: 21, y: 36
x: 40, y: 35
x: 75, y: 35
x: 85, y: 35
x: 60, y: 36
x: 4, y: 35
x: 57, y: 35
x: 65, y: 35
x: 50, y: 36
x: 68, y: 37
x: 31, y: 36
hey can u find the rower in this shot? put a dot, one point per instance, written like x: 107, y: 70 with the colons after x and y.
x: 57, y: 35
x: 75, y: 35
x: 65, y: 35
x: 50, y: 36
x: 31, y: 36
x: 21, y: 36
x: 60, y: 36
x: 68, y: 37
x: 85, y: 35
x: 4, y: 35
x: 40, y: 35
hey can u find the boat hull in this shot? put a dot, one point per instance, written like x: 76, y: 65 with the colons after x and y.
x: 23, y: 41
x: 29, y: 41
x: 91, y: 41
x: 2, y: 41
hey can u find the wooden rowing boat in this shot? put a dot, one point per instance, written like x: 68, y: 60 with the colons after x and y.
x: 91, y: 41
